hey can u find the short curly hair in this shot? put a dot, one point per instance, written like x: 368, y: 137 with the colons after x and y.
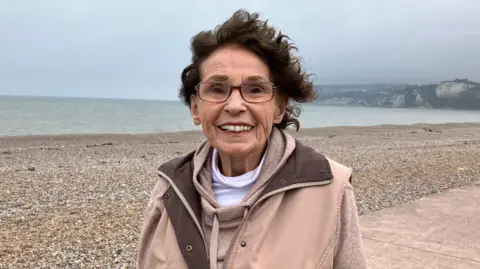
x: 246, y: 30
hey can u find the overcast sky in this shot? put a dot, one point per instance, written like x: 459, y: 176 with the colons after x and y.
x: 137, y: 49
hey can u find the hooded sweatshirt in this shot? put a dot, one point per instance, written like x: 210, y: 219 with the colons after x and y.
x: 220, y: 223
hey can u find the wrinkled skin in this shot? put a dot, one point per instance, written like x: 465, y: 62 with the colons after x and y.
x: 238, y: 153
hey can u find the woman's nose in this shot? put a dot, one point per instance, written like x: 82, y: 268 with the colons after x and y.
x: 235, y: 103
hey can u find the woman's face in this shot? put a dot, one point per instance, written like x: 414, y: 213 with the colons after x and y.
x: 236, y: 65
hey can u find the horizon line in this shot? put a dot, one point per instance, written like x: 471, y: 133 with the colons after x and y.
x: 90, y: 97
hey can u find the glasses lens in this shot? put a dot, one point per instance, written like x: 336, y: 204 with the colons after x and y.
x: 214, y: 91
x: 257, y: 92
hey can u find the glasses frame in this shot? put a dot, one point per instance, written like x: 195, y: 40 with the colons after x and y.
x: 239, y: 88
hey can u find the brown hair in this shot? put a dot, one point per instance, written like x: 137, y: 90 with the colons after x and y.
x: 245, y: 29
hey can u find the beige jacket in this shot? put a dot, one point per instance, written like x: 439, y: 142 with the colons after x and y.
x: 301, y: 214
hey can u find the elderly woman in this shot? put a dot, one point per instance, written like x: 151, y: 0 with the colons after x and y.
x: 250, y: 196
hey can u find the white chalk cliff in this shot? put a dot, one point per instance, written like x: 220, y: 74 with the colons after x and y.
x: 455, y: 89
x: 454, y: 94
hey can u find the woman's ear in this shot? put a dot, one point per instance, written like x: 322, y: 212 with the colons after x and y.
x: 194, y: 109
x: 281, y: 109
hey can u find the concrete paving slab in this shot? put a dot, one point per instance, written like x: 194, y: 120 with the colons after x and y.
x: 390, y: 256
x: 443, y: 227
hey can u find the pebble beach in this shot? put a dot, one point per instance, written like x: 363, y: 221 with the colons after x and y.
x: 76, y: 201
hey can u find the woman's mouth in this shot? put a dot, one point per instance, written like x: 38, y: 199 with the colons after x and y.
x: 236, y: 128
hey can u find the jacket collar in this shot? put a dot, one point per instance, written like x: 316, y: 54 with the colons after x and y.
x: 305, y: 165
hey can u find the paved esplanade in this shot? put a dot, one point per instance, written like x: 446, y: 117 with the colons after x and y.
x: 438, y: 232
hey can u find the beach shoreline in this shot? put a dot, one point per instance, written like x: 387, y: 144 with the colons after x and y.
x: 76, y: 201
x: 194, y: 133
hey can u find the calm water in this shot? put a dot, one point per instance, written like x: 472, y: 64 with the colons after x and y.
x: 47, y: 115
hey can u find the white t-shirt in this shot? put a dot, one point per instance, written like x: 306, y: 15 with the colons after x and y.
x: 231, y: 190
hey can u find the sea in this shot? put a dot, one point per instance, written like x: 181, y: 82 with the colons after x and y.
x: 21, y: 115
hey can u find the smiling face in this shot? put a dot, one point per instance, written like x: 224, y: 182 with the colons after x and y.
x: 235, y: 127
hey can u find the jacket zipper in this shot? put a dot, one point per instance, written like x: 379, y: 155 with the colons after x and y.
x: 264, y: 197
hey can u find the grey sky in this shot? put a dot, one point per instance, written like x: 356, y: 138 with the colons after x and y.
x: 137, y: 49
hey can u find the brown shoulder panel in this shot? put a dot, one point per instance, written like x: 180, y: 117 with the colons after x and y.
x: 305, y: 165
x: 189, y: 239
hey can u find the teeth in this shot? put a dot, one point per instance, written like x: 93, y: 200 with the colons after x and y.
x: 236, y: 128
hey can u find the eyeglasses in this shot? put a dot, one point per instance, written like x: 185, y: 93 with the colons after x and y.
x: 220, y: 91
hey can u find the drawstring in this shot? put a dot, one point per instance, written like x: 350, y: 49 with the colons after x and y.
x: 214, y: 238
x: 245, y: 211
x: 214, y: 242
